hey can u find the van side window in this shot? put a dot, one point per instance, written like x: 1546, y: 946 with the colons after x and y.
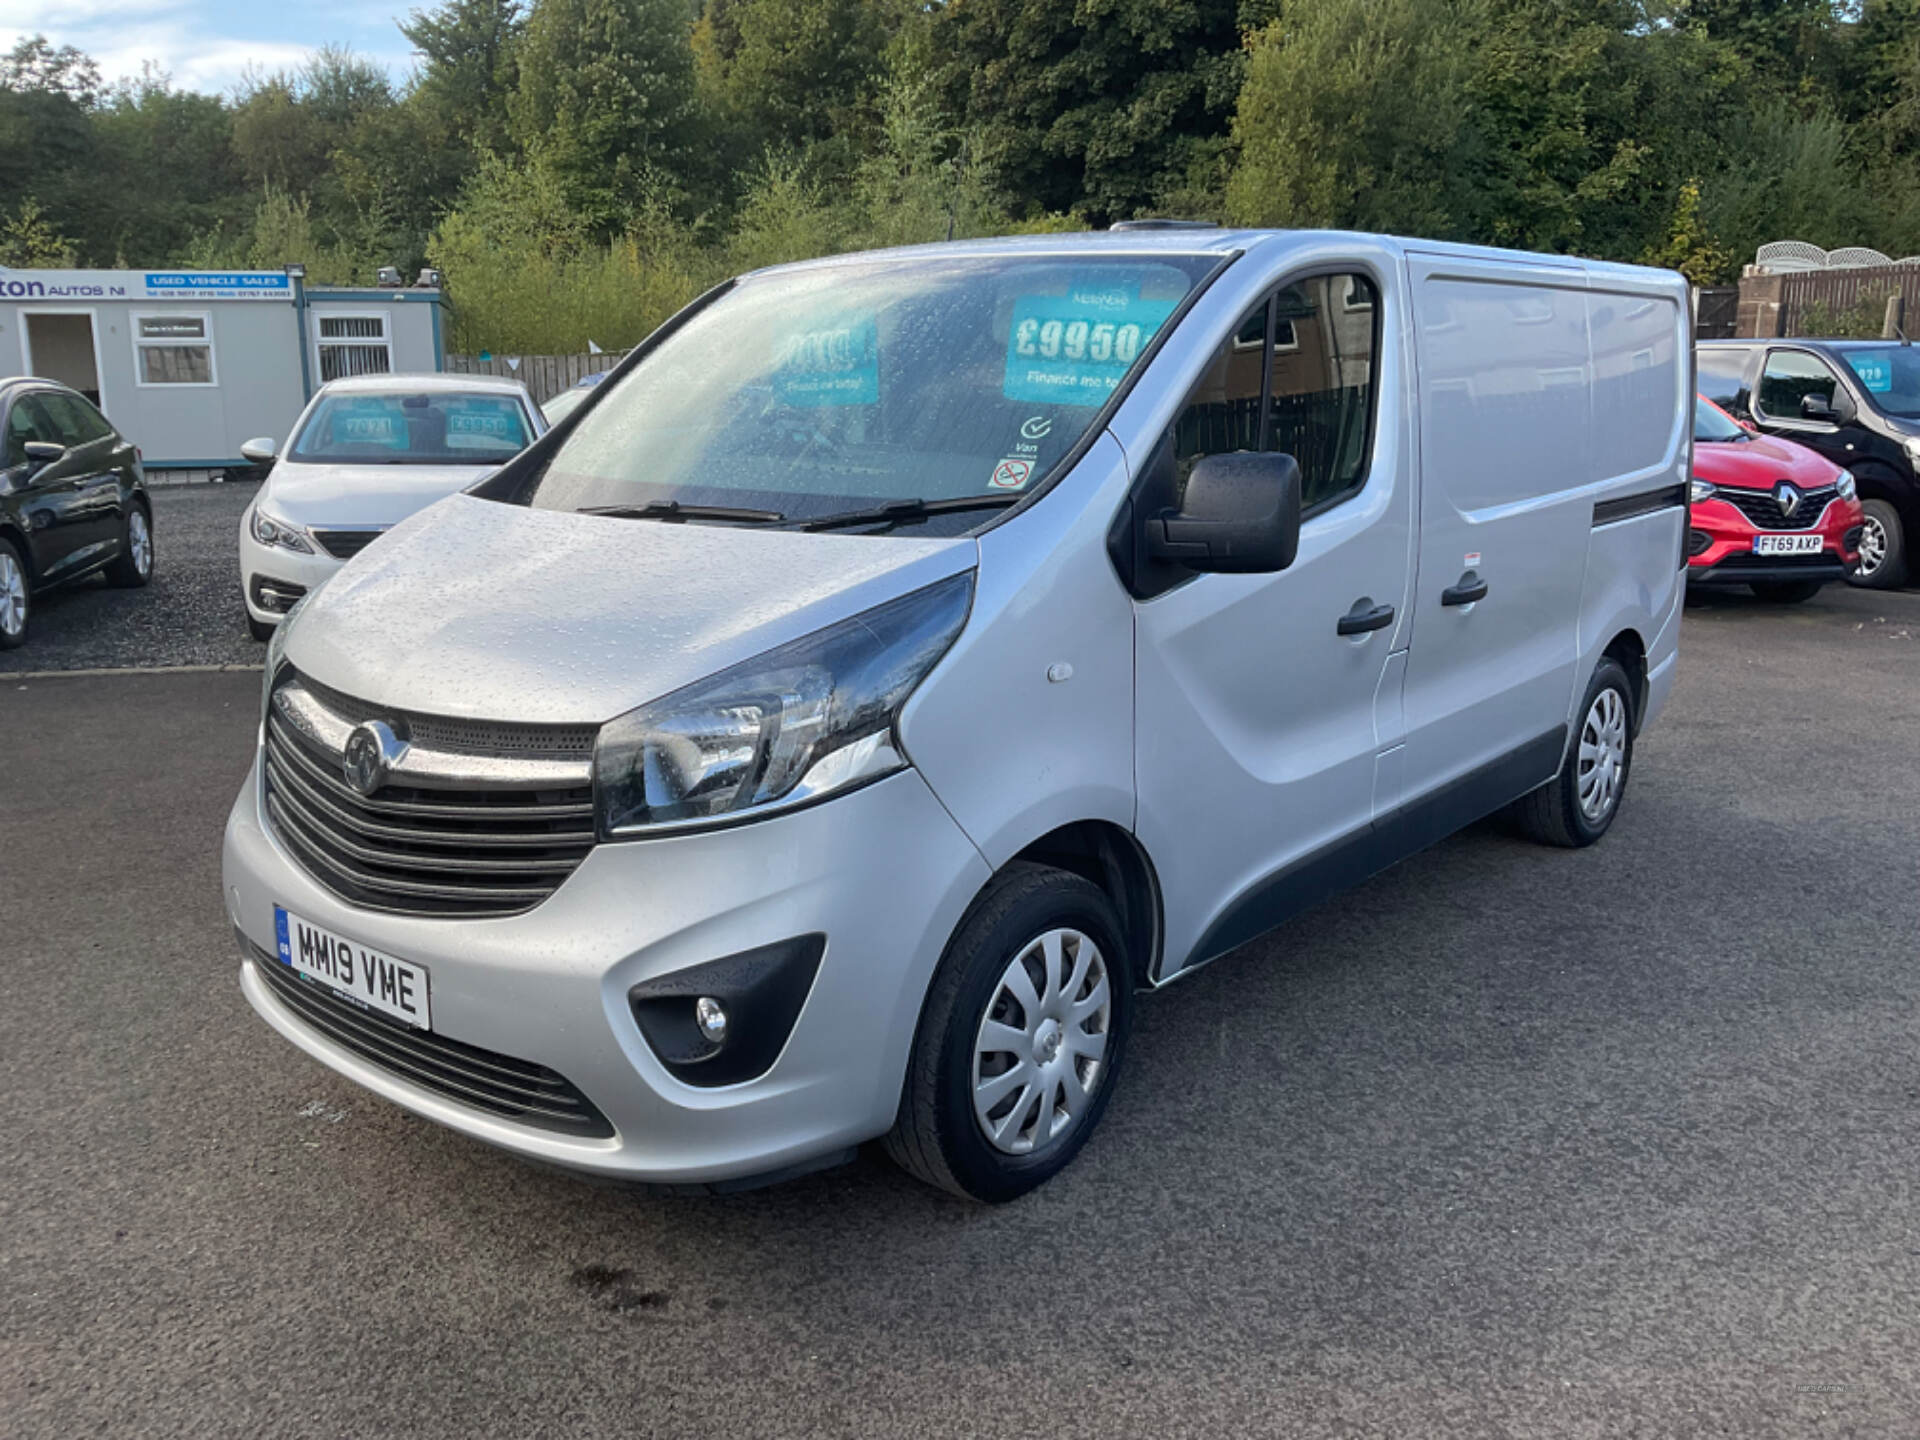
x: 1309, y: 394
x: 1322, y: 387
x: 1791, y: 376
x: 1719, y: 375
x: 1222, y: 412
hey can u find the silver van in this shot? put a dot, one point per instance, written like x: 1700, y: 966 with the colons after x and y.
x: 905, y: 661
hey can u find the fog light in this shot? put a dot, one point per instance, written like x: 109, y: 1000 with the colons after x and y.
x: 711, y: 1016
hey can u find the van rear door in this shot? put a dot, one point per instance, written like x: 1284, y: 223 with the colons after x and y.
x: 1505, y: 518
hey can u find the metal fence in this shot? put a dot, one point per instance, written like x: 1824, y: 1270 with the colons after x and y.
x: 545, y: 376
x: 1858, y: 296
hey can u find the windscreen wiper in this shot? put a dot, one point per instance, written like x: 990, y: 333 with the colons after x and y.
x: 674, y: 510
x: 895, y: 512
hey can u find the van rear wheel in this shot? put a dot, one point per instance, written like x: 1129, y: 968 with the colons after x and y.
x: 1020, y: 1040
x: 1577, y: 806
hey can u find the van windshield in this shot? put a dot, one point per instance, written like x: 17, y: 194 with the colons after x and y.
x: 439, y: 427
x: 1890, y: 374
x: 828, y: 390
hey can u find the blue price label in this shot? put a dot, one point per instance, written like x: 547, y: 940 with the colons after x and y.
x: 1875, y: 372
x: 1072, y: 349
x: 837, y: 363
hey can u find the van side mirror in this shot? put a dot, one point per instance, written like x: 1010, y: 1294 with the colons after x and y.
x: 1240, y: 516
x: 41, y: 453
x: 260, y: 451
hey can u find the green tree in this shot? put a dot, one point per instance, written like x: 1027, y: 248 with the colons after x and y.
x: 1103, y: 106
x: 471, y: 66
x: 27, y: 239
x: 606, y: 94
x: 1352, y: 114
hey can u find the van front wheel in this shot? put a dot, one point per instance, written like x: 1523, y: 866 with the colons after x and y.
x: 1020, y: 1040
x: 1577, y: 806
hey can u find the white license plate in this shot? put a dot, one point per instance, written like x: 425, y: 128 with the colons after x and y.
x: 1786, y: 544
x: 348, y: 968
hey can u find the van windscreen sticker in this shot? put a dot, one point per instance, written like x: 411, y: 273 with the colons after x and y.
x: 1072, y: 348
x: 837, y: 362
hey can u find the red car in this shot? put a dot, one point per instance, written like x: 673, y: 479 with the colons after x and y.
x: 1767, y: 513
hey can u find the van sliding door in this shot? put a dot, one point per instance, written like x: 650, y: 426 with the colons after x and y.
x: 1506, y: 517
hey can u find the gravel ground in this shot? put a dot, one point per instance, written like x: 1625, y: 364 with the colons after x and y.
x: 191, y: 614
x: 1506, y: 1142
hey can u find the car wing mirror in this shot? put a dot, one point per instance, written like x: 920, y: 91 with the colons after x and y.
x: 41, y: 453
x: 1240, y: 515
x: 260, y: 451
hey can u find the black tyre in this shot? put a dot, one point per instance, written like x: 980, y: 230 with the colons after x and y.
x: 1786, y: 592
x: 133, y: 567
x: 259, y: 630
x: 1577, y: 806
x: 1021, y: 1038
x: 16, y: 598
x: 1883, y: 547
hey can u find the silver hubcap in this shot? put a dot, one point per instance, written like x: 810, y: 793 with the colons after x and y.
x: 1041, y: 1052
x: 1603, y: 754
x: 1873, y: 545
x: 139, y: 543
x: 13, y: 596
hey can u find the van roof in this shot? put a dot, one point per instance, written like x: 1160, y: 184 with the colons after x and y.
x: 1194, y: 240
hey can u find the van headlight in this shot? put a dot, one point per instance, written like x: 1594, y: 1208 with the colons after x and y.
x: 269, y: 530
x: 800, y: 722
x: 1843, y: 482
x: 276, y: 654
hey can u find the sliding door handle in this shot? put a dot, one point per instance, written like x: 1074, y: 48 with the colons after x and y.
x: 1359, y: 621
x: 1469, y: 589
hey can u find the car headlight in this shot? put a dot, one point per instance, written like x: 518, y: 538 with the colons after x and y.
x: 1843, y: 482
x: 1913, y: 450
x: 271, y: 531
x: 800, y: 722
x: 1700, y: 490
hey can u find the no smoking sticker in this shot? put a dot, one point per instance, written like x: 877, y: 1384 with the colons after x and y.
x: 1011, y: 473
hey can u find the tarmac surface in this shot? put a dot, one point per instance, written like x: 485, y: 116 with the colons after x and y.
x: 1508, y: 1141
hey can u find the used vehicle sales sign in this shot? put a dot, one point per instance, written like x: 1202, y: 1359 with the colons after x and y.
x: 144, y: 285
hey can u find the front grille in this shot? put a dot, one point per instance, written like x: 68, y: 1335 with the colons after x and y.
x: 410, y: 850
x: 499, y: 1084
x: 1763, y: 511
x: 469, y: 737
x: 345, y: 544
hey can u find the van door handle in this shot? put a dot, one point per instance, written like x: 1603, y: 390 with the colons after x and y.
x: 1469, y: 589
x: 1358, y: 622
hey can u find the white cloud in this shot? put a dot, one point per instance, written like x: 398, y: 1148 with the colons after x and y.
x: 125, y: 35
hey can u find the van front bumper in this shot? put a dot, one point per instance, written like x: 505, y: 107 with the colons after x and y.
x: 883, y: 873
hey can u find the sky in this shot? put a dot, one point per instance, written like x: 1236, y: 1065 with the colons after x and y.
x: 209, y: 44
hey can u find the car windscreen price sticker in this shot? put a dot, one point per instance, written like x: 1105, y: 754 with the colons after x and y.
x: 1875, y: 372
x: 1072, y: 348
x: 836, y: 362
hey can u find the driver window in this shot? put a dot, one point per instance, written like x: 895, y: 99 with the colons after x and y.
x: 1222, y: 412
x: 26, y: 421
x: 1791, y: 376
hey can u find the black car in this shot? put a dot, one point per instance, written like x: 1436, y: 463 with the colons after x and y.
x: 1856, y: 402
x: 72, y: 499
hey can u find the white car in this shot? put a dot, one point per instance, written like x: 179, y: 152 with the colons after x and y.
x: 365, y: 454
